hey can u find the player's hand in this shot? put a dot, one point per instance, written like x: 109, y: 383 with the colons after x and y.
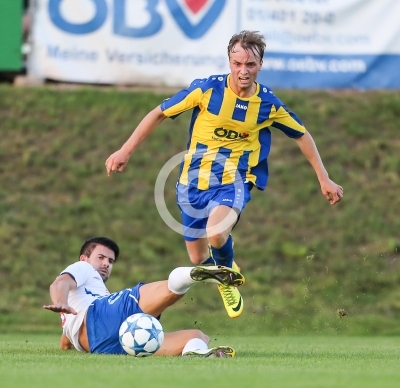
x: 332, y: 191
x: 116, y: 162
x: 60, y: 308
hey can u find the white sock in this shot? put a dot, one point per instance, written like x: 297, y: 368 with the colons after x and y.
x: 179, y: 280
x: 194, y: 344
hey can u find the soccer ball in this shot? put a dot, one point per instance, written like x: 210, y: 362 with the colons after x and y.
x: 141, y: 335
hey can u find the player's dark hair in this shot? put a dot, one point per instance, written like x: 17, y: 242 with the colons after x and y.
x: 249, y: 40
x: 89, y: 245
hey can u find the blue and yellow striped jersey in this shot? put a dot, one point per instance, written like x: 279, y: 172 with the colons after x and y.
x: 229, y: 136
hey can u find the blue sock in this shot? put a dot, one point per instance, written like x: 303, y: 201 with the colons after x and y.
x: 224, y: 255
x: 209, y: 261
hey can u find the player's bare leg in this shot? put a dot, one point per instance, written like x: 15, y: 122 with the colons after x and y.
x: 156, y: 297
x: 220, y: 224
x: 175, y: 342
x: 197, y: 250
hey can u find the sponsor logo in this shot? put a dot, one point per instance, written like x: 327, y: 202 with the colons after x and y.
x: 194, y: 17
x: 230, y: 134
x: 239, y: 305
x: 241, y: 106
x: 195, y: 30
x: 226, y: 200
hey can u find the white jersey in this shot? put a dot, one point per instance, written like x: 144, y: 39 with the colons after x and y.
x: 89, y: 286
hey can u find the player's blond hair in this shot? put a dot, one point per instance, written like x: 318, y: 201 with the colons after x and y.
x: 249, y: 40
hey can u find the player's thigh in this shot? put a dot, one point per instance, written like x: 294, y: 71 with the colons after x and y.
x: 224, y: 210
x: 194, y: 213
x: 156, y: 297
x: 220, y: 213
x: 175, y: 342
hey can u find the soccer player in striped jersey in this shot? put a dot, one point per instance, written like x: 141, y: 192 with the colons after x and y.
x: 227, y: 153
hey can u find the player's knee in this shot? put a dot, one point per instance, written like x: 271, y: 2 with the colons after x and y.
x: 197, y: 261
x: 199, y: 334
x: 197, y: 258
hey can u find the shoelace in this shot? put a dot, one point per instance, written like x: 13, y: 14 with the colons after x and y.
x: 228, y: 295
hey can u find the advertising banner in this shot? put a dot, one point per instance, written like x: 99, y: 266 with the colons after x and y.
x: 310, y: 43
x: 160, y: 42
x: 328, y: 43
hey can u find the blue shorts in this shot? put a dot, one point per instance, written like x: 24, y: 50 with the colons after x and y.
x: 196, y: 205
x: 104, y: 317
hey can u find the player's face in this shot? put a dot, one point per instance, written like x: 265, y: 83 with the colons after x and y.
x: 102, y: 259
x: 244, y: 67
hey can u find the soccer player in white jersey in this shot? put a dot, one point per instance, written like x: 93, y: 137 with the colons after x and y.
x: 91, y: 315
x: 229, y: 144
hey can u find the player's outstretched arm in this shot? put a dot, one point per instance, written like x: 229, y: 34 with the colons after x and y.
x: 59, y: 290
x: 118, y: 160
x: 332, y: 191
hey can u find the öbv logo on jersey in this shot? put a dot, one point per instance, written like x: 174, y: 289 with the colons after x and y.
x: 230, y: 134
x: 181, y: 11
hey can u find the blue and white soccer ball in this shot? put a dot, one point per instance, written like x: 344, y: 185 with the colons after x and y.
x: 141, y: 335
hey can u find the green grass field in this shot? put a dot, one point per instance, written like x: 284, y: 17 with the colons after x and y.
x: 303, y: 259
x: 301, y: 361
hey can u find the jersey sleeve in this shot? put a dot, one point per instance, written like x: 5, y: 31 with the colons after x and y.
x: 79, y: 271
x: 184, y: 100
x: 285, y: 120
x: 274, y: 113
